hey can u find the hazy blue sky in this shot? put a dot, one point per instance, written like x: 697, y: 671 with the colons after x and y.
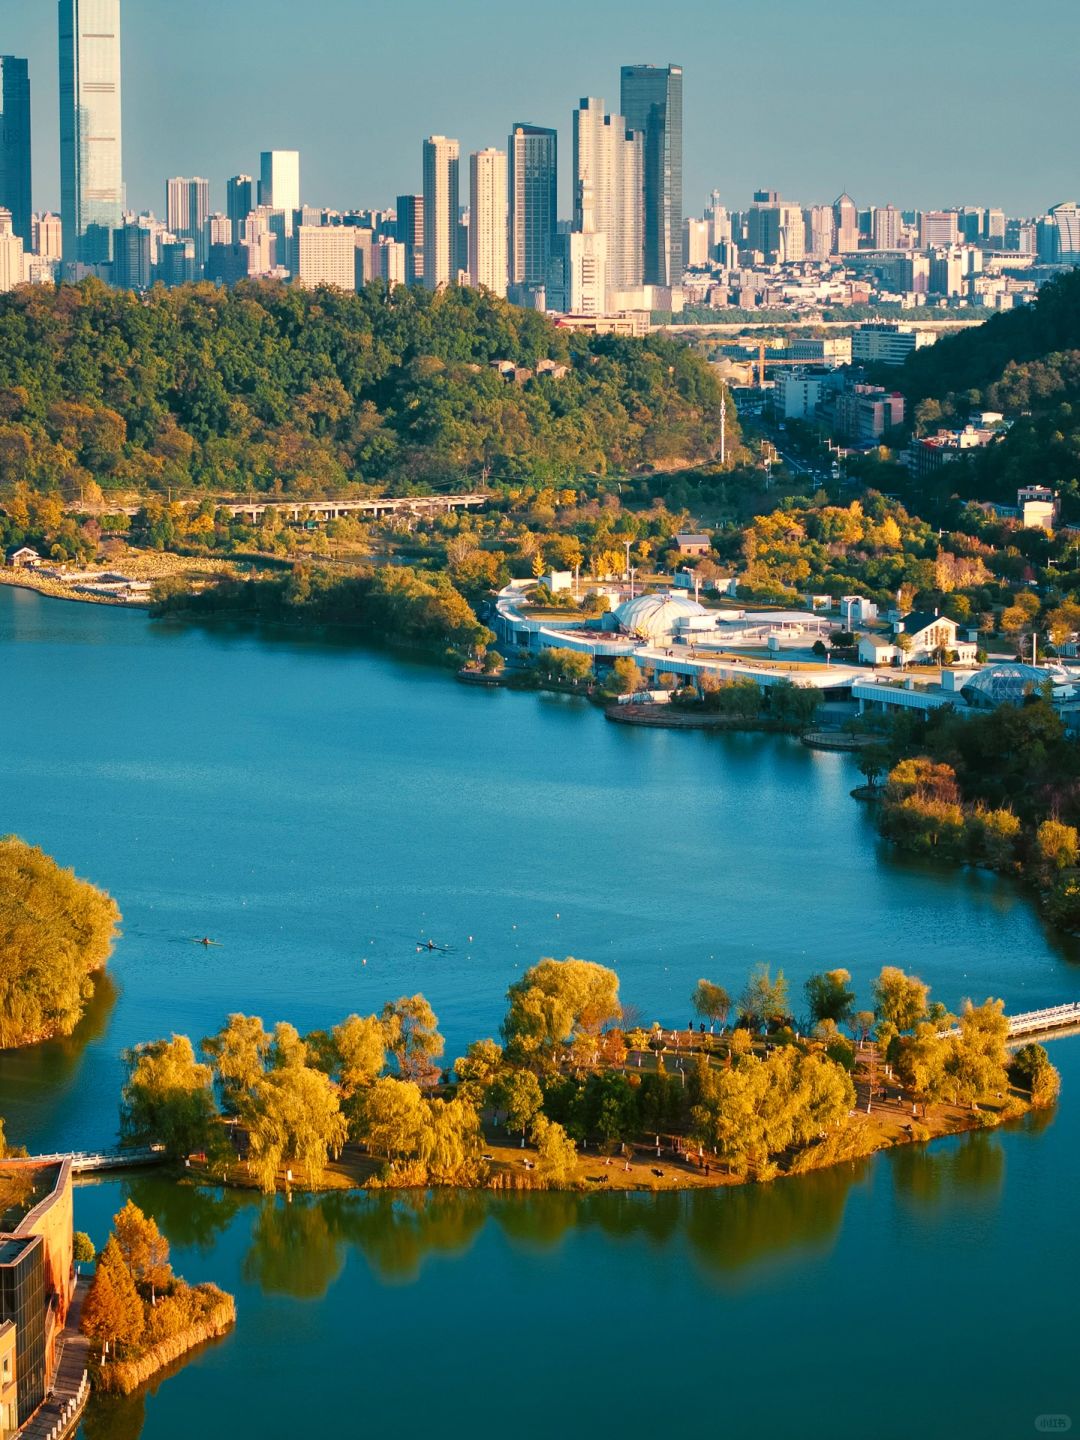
x: 922, y: 102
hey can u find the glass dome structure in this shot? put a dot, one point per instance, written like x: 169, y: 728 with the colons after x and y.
x: 1006, y: 684
x: 655, y: 617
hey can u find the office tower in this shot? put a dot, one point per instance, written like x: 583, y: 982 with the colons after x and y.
x: 11, y: 254
x: 947, y: 271
x: 577, y: 278
x: 776, y: 227
x: 888, y: 225
x: 176, y: 262
x: 994, y: 233
x: 46, y: 237
x: 239, y: 201
x: 1065, y: 219
x: 187, y: 209
x: 279, y: 182
x: 135, y: 254
x: 325, y: 255
x: 488, y: 220
x: 91, y: 152
x: 652, y: 103
x: 441, y: 160
x: 697, y: 244
x: 938, y: 228
x: 718, y: 220
x: 363, y: 262
x: 15, y: 145
x: 819, y: 232
x: 608, y: 179
x: 410, y: 233
x: 533, y: 198
x: 846, y: 225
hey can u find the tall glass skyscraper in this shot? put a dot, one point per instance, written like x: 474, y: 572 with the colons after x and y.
x: 534, y: 200
x: 652, y: 102
x: 15, y: 145
x: 91, y: 157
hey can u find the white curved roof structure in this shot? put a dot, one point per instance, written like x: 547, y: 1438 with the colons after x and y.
x: 654, y: 617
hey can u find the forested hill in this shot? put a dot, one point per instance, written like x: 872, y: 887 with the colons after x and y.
x: 269, y: 386
x: 1027, y: 360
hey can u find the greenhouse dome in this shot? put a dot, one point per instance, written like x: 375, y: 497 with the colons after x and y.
x: 655, y: 617
x: 1006, y: 684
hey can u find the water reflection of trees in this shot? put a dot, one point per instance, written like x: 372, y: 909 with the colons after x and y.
x: 934, y: 1176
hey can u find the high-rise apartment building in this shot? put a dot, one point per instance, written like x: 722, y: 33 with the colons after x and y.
x: 819, y: 232
x: 135, y: 253
x: 91, y: 153
x: 652, y: 103
x: 488, y: 220
x: 1065, y: 225
x: 279, y: 182
x: 326, y: 255
x: 47, y: 236
x: 219, y: 230
x: 410, y: 233
x: 11, y: 254
x: 888, y: 227
x: 577, y: 282
x: 239, y: 202
x: 608, y: 180
x: 441, y: 162
x: 187, y: 209
x: 947, y: 271
x: 846, y: 224
x: 388, y: 261
x: 533, y: 198
x: 697, y: 244
x: 15, y: 145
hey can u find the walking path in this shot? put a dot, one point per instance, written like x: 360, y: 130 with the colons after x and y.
x: 71, y: 1385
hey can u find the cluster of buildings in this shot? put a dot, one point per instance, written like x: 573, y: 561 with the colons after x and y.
x: 492, y: 219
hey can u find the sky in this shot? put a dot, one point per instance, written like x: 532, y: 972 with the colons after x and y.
x: 923, y: 104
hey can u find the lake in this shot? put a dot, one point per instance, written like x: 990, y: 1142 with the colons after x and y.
x: 319, y: 809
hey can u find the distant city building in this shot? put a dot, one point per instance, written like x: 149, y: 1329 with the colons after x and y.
x: 938, y: 228
x: 651, y: 101
x: 608, y: 179
x: 325, y: 255
x: 947, y: 272
x: 887, y: 344
x: 47, y: 237
x: 1064, y: 230
x: 819, y: 224
x: 488, y: 220
x: 176, y: 262
x: 239, y: 202
x: 578, y: 279
x: 389, y: 262
x: 410, y: 233
x: 279, y: 182
x: 533, y: 200
x: 135, y: 254
x: 846, y: 222
x: 15, y: 168
x: 888, y: 227
x: 219, y: 230
x: 697, y: 244
x: 797, y: 395
x: 187, y: 209
x: 865, y: 412
x: 91, y: 156
x: 442, y: 158
x: 11, y: 254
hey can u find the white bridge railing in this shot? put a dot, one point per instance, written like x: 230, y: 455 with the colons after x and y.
x: 1057, y: 1017
x: 86, y: 1161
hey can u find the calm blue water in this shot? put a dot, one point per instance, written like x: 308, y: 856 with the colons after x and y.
x: 311, y: 805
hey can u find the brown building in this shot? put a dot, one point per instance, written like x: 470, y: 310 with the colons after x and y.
x: 37, y: 1275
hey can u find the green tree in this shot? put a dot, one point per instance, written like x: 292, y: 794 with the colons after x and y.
x: 295, y: 1117
x: 764, y: 1001
x: 83, y: 1248
x: 393, y: 1118
x: 830, y: 997
x: 556, y: 1161
x: 451, y: 1143
x: 238, y: 1053
x: 478, y: 1069
x: 518, y: 1093
x: 556, y: 1000
x: 1032, y: 1071
x: 711, y: 1002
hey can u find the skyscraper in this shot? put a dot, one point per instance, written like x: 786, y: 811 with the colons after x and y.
x: 488, y: 220
x: 91, y: 155
x: 239, y: 202
x: 533, y: 197
x: 15, y: 144
x: 652, y: 102
x: 410, y: 233
x: 279, y: 182
x: 187, y: 209
x: 846, y: 224
x: 608, y: 190
x: 441, y: 161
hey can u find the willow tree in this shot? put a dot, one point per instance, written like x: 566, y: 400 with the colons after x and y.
x: 557, y: 1000
x: 56, y: 933
x: 168, y: 1098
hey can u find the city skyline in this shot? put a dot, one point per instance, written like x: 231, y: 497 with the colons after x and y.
x: 747, y: 96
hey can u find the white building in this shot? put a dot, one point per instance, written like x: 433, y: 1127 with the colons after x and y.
x: 586, y: 280
x: 326, y: 255
x: 488, y: 220
x: 279, y: 182
x: 12, y: 271
x: 887, y: 344
x: 797, y: 396
x: 441, y: 161
x: 608, y: 180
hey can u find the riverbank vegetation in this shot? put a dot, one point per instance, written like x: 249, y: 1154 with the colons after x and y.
x: 574, y: 1071
x: 1000, y: 790
x: 56, y: 935
x: 138, y: 1315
